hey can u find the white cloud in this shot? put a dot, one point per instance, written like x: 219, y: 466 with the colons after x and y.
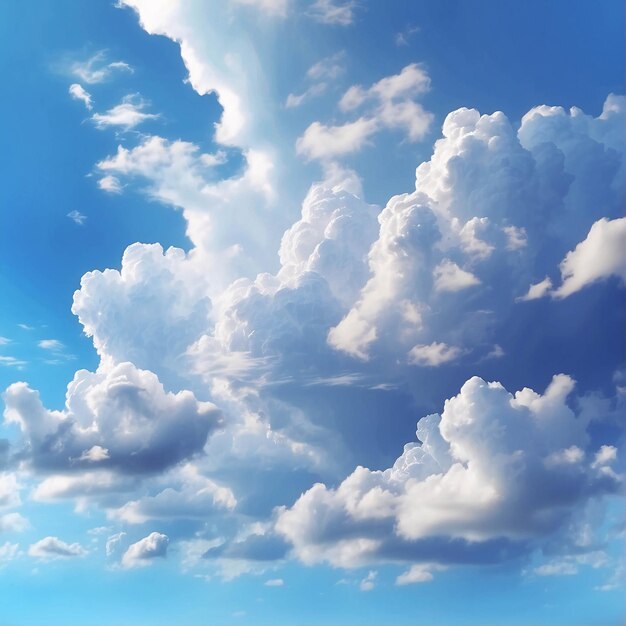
x: 601, y: 255
x: 418, y: 573
x: 144, y: 551
x: 126, y: 115
x: 110, y: 184
x: 391, y: 105
x: 369, y: 582
x: 337, y: 12
x: 472, y: 482
x: 97, y: 69
x: 295, y: 100
x: 52, y: 548
x: 434, y: 354
x: 8, y: 552
x: 51, y: 344
x: 78, y: 92
x: 538, y: 290
x: 160, y: 428
x: 450, y: 277
x: 322, y: 142
x: 13, y: 523
x: 274, y: 582
x: 77, y: 217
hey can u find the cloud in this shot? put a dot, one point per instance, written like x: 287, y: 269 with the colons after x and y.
x: 126, y: 115
x: 450, y: 277
x: 390, y: 105
x: 469, y: 211
x: 416, y: 574
x: 77, y: 217
x: 335, y: 12
x: 52, y: 548
x: 538, y: 290
x: 160, y: 428
x: 274, y: 582
x: 110, y: 184
x: 434, y: 354
x: 144, y: 551
x: 8, y: 552
x: 478, y: 488
x: 320, y: 141
x: 13, y: 523
x: 53, y: 345
x: 272, y: 7
x: 601, y: 255
x: 369, y: 582
x: 97, y: 69
x: 78, y: 92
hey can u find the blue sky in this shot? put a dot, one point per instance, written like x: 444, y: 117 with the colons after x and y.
x: 261, y: 240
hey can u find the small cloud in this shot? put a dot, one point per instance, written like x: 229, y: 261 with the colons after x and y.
x: 95, y: 454
x: 4, y: 341
x: 144, y: 551
x: 274, y: 582
x: 434, y: 354
x: 403, y: 37
x: 96, y: 69
x: 77, y: 217
x: 52, y: 548
x: 78, y: 92
x: 333, y: 12
x: 536, y: 291
x: 10, y: 361
x: 416, y: 574
x: 128, y: 114
x: 110, y: 184
x: 54, y: 345
x: 26, y: 327
x: 369, y: 582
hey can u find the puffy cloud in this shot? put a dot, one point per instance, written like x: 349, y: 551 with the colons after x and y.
x: 434, y: 354
x: 78, y: 92
x: 601, y: 255
x: 391, y: 105
x: 321, y: 142
x: 13, y: 523
x: 9, y: 490
x: 52, y: 548
x: 110, y: 184
x: 538, y: 290
x: 492, y: 206
x: 144, y: 551
x: 450, y: 277
x: 121, y: 408
x: 126, y: 115
x: 481, y: 486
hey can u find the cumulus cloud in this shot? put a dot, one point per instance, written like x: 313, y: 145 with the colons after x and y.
x: 78, y: 92
x: 143, y: 552
x: 160, y: 429
x: 466, y: 493
x: 126, y: 115
x: 434, y: 354
x: 390, y: 103
x: 468, y: 224
x: 53, y: 548
x: 601, y: 255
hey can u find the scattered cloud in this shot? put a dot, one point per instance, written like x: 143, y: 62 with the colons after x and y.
x: 78, y: 92
x: 126, y: 115
x: 144, y: 551
x: 77, y: 217
x: 52, y: 548
x: 97, y: 68
x: 335, y: 12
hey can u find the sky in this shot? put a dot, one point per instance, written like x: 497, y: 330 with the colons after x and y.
x: 312, y: 312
